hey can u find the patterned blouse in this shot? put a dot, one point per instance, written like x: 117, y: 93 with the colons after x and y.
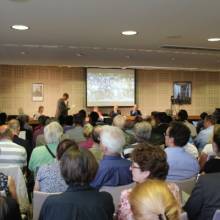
x: 4, y: 184
x: 50, y: 179
x: 124, y: 209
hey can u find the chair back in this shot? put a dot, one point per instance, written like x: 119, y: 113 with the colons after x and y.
x: 216, y: 215
x: 38, y: 200
x: 183, y: 216
x: 21, y: 189
x: 115, y: 191
x: 186, y: 185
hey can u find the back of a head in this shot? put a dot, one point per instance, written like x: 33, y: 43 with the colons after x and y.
x: 93, y: 118
x: 151, y: 158
x: 142, y: 131
x: 82, y: 113
x: 119, y: 121
x: 53, y: 132
x: 69, y: 120
x: 3, y: 118
x: 64, y: 145
x: 152, y: 200
x: 112, y: 138
x: 87, y: 130
x: 42, y: 119
x: 14, y: 126
x: 78, y: 120
x: 5, y: 132
x: 96, y: 134
x: 182, y: 115
x: 179, y: 132
x: 203, y: 115
x: 78, y: 166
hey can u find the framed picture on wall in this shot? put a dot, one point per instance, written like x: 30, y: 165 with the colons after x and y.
x: 182, y: 92
x: 37, y: 92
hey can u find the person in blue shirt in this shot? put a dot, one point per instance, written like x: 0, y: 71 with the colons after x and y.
x: 181, y: 164
x: 113, y: 169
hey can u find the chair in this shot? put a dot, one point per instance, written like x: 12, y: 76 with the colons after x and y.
x: 21, y: 188
x: 186, y: 185
x: 115, y: 191
x: 183, y: 216
x: 216, y: 215
x: 38, y: 200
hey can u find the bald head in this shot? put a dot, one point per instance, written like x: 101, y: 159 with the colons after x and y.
x: 5, y: 132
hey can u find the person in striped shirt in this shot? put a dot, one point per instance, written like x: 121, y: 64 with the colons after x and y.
x: 11, y: 153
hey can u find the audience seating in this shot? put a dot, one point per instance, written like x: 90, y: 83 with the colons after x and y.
x: 21, y: 188
x: 115, y: 191
x: 216, y: 215
x: 183, y: 216
x: 186, y: 185
x: 38, y: 200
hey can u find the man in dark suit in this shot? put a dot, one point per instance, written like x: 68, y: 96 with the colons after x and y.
x: 205, y: 198
x: 14, y: 126
x: 135, y: 111
x: 62, y: 106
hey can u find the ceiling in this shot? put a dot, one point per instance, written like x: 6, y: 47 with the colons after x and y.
x: 88, y: 33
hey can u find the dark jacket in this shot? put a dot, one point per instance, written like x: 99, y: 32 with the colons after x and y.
x: 205, y: 198
x: 62, y: 108
x: 78, y: 203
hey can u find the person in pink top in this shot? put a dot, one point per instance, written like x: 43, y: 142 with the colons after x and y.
x: 87, y: 132
x: 148, y: 162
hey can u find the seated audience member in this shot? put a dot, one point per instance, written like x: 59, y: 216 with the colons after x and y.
x: 213, y: 164
x: 148, y: 162
x: 80, y: 201
x: 14, y: 126
x: 205, y: 198
x: 46, y: 154
x: 191, y: 149
x: 207, y: 151
x: 68, y: 123
x: 48, y: 177
x: 120, y: 122
x: 181, y: 164
x: 135, y: 111
x: 9, y: 209
x: 152, y: 200
x: 3, y: 118
x: 39, y: 113
x: 96, y: 148
x: 113, y: 170
x: 160, y: 127
x: 200, y: 123
x: 11, y: 153
x: 204, y: 137
x: 96, y: 109
x: 76, y: 133
x: 83, y: 115
x: 87, y: 132
x: 115, y: 112
x: 142, y: 133
x: 7, y: 186
x: 39, y: 129
x: 183, y: 116
x: 93, y: 118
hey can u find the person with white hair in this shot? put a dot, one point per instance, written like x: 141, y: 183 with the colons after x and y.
x: 46, y: 154
x: 113, y: 169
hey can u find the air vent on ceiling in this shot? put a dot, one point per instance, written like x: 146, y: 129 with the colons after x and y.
x: 175, y: 47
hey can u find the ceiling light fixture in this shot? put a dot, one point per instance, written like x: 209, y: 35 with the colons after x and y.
x: 19, y: 27
x: 214, y: 39
x: 129, y: 33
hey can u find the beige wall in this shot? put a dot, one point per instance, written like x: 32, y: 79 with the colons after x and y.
x: 154, y: 88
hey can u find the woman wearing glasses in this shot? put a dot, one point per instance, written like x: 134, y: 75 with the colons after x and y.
x: 148, y: 162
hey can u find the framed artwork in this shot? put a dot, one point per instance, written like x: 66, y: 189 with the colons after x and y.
x: 37, y: 92
x: 182, y: 92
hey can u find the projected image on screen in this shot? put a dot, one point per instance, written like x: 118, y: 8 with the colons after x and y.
x: 109, y: 87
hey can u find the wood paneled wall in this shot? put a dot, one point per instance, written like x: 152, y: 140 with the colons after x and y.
x: 154, y: 89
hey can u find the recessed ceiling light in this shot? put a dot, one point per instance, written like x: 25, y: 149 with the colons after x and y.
x: 19, y: 27
x: 214, y: 39
x: 129, y: 33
